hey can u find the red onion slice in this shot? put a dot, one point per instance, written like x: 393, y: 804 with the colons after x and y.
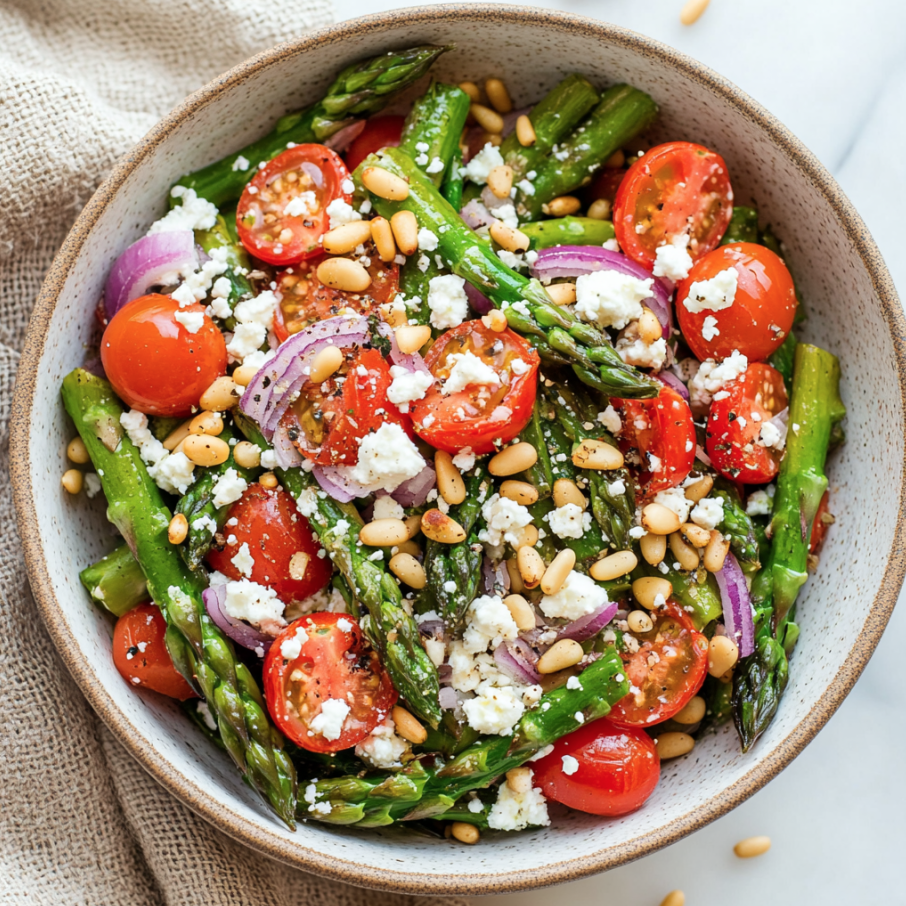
x: 448, y: 698
x: 341, y: 140
x: 476, y: 215
x: 414, y: 491
x: 238, y: 630
x: 587, y: 626
x: 737, y: 604
x: 671, y: 380
x: 517, y: 660
x: 336, y: 481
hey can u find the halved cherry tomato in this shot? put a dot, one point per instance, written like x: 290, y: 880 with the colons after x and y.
x: 140, y: 653
x: 282, y: 213
x: 762, y: 312
x: 618, y: 769
x: 304, y: 299
x: 335, y: 662
x: 154, y: 363
x: 673, y: 190
x: 665, y: 673
x: 379, y: 132
x: 481, y: 416
x: 823, y: 519
x: 280, y: 541
x: 735, y: 424
x: 662, y: 432
x: 606, y: 184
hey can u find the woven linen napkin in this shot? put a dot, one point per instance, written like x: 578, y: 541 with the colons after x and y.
x: 80, y: 821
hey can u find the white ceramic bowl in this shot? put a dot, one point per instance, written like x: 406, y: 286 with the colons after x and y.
x: 854, y: 312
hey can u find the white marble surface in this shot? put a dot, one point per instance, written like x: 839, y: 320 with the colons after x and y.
x: 835, y: 72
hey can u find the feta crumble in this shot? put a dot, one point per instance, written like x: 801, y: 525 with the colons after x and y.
x: 577, y: 597
x: 516, y: 811
x: 383, y: 748
x: 387, y: 458
x: 569, y: 521
x: 407, y: 386
x: 254, y: 603
x: 448, y: 301
x: 229, y: 488
x: 340, y: 213
x: 330, y: 719
x: 291, y: 648
x: 673, y: 261
x: 570, y: 765
x: 611, y: 299
x: 504, y: 519
x: 478, y: 168
x: 715, y: 294
x: 494, y: 710
x: 193, y: 213
x: 468, y: 369
x: 244, y: 561
x: 675, y: 501
x: 708, y: 512
x: 488, y: 624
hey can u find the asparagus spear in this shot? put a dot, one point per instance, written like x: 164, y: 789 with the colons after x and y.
x: 200, y: 651
x: 360, y: 90
x: 546, y: 234
x: 116, y: 582
x: 696, y: 593
x: 736, y: 524
x: 815, y: 408
x: 451, y: 187
x: 555, y: 332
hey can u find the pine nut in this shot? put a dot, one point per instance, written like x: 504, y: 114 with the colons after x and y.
x: 640, y: 622
x: 520, y: 491
x: 695, y: 534
x: 519, y: 780
x: 649, y: 589
x: 413, y: 525
x: 500, y: 181
x: 600, y: 209
x: 650, y: 329
x: 439, y: 527
x: 508, y: 238
x: 221, y: 396
x: 495, y: 320
x: 527, y: 536
x: 567, y: 491
x: 657, y: 519
x: 673, y: 745
x: 722, y: 655
x: 407, y: 726
x: 674, y: 898
x: 77, y: 451
x: 405, y: 231
x: 298, y: 565
x: 178, y: 529
x: 268, y: 481
x: 72, y: 481
x: 206, y: 423
x: 465, y: 833
x: 203, y: 450
x: 752, y: 846
x: 471, y: 89
x: 597, y: 454
x: 382, y: 234
x: 686, y: 555
x: 693, y: 711
x: 344, y: 274
x: 614, y: 566
x: 178, y: 435
x: 407, y: 547
x: 521, y: 612
x: 513, y: 459
x: 699, y: 489
x: 562, y: 654
x: 562, y: 206
x: 498, y: 95
x: 406, y: 568
x: 562, y: 293
x: 449, y: 482
x: 495, y: 138
x: 531, y: 566
x: 325, y: 363
x: 516, y: 583
x: 244, y: 374
x: 692, y: 11
x: 525, y: 131
x: 384, y: 184
x: 489, y: 120
x: 556, y: 574
x: 384, y: 533
x: 247, y: 455
x: 344, y: 239
x: 653, y: 548
x: 716, y: 552
x: 411, y: 338
x: 616, y: 160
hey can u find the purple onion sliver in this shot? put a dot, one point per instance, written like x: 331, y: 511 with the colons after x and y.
x: 671, y: 380
x: 239, y: 631
x: 515, y: 665
x: 414, y: 491
x: 480, y: 303
x: 338, y: 484
x: 590, y: 625
x: 342, y: 139
x: 737, y: 605
x: 476, y: 215
x: 447, y: 698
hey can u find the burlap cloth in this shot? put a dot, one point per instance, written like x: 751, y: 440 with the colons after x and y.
x: 80, y: 821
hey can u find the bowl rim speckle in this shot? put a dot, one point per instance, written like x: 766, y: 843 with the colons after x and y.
x: 221, y: 815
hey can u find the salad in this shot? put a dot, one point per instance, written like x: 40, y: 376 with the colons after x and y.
x: 464, y: 461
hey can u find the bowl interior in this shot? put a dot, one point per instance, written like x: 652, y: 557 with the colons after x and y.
x: 853, y: 311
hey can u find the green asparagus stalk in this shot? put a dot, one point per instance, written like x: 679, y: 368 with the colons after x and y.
x: 200, y: 651
x: 784, y: 358
x: 360, y: 90
x: 546, y: 234
x: 736, y: 524
x: 743, y: 226
x: 116, y: 582
x: 451, y: 187
x: 541, y: 474
x: 815, y: 408
x: 696, y: 593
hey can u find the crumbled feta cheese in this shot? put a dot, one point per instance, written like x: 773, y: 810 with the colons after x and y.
x: 328, y: 722
x: 407, y: 386
x: 193, y: 213
x: 760, y: 503
x: 383, y: 748
x: 488, y: 623
x: 340, y: 213
x: 478, y: 168
x: 519, y: 366
x: 772, y: 436
x: 712, y: 377
x: 570, y: 765
x: 617, y: 487
x: 673, y: 261
x: 229, y: 488
x: 525, y: 186
x: 268, y: 459
x: 715, y: 294
x: 675, y: 501
x: 610, y: 419
x: 307, y: 502
x: 436, y: 166
x: 448, y: 301
x: 504, y: 520
x: 385, y: 507
x: 256, y: 318
x: 475, y: 806
x: 172, y: 472
x: 709, y: 328
x: 506, y: 213
x: 244, y: 561
x: 92, y: 485
x: 427, y: 241
x: 291, y: 648
x: 193, y: 321
x: 257, y: 604
x: 387, y: 458
x: 464, y: 460
x: 516, y: 811
x: 577, y: 597
x: 241, y: 163
x: 207, y: 717
x: 468, y: 369
x: 611, y: 299
x: 302, y: 205
x: 708, y: 512
x: 569, y: 521
x: 494, y: 710
x: 639, y: 354
x: 542, y: 753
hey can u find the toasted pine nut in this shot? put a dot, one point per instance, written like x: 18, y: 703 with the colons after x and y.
x: 413, y: 525
x: 247, y: 455
x: 614, y: 566
x: 674, y: 898
x: 411, y: 338
x: 449, y: 482
x: 325, y: 363
x: 508, y: 238
x: 407, y: 726
x: 495, y: 138
x: 72, y: 481
x: 465, y: 833
x: 699, y: 489
x: 600, y: 209
x: 722, y: 655
x: 752, y: 846
x: 385, y: 184
x: 693, y: 711
x: 525, y: 131
x: 513, y: 459
x: 692, y: 11
x: 695, y: 534
x: 178, y: 435
x: 556, y: 574
x: 409, y: 570
x: 656, y: 518
x: 673, y: 745
x: 344, y: 239
x: 77, y: 451
x: 220, y: 396
x: 531, y: 566
x: 716, y: 552
x: 617, y: 159
x: 562, y: 654
x: 268, y: 481
x: 439, y: 527
x: 653, y: 548
x: 382, y: 234
x: 639, y: 621
x: 597, y: 454
x: 567, y: 491
x: 489, y: 120
x: 384, y: 533
x: 527, y: 536
x: 562, y: 206
x: 498, y: 95
x: 521, y: 612
x: 407, y: 547
x: 204, y: 450
x: 298, y: 565
x: 650, y: 329
x: 178, y: 529
x: 648, y: 589
x: 519, y: 780
x: 495, y: 320
x: 500, y: 181
x: 471, y: 89
x: 562, y: 293
x: 243, y: 375
x: 344, y: 274
x: 405, y: 231
x: 686, y: 555
x: 516, y: 584
x: 206, y: 423
x: 520, y: 491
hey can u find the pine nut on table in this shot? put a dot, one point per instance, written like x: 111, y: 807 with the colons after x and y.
x: 674, y: 898
x: 513, y: 459
x: 384, y: 533
x: 752, y: 846
x: 384, y: 184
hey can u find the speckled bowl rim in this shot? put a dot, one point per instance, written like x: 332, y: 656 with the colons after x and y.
x: 220, y: 814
